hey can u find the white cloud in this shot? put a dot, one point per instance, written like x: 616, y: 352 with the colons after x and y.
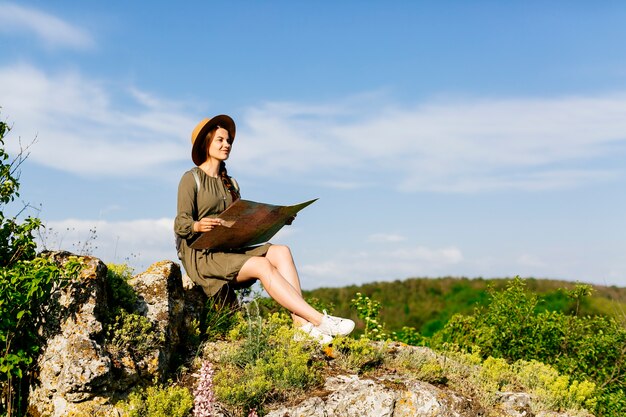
x: 53, y: 31
x: 355, y: 268
x: 142, y: 242
x: 81, y: 129
x: 114, y: 241
x: 453, y: 146
x: 385, y: 238
x: 443, y: 146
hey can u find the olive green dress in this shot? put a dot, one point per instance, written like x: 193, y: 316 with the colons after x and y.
x: 209, y: 269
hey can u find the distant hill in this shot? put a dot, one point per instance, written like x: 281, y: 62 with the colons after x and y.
x: 428, y: 303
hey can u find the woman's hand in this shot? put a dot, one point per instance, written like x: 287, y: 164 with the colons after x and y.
x: 206, y: 224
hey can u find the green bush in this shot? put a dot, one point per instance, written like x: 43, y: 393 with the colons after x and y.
x: 26, y: 285
x: 408, y: 335
x: 514, y: 328
x: 358, y: 355
x: 218, y: 319
x: 555, y: 390
x: 133, y: 333
x: 120, y: 294
x: 369, y: 311
x: 267, y: 365
x: 158, y: 401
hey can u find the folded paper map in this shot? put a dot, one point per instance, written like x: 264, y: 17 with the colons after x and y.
x: 247, y: 223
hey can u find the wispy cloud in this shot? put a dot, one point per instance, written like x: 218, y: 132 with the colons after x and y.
x: 446, y: 145
x: 82, y: 129
x: 449, y: 145
x: 142, y: 242
x: 355, y: 268
x: 138, y: 242
x: 51, y: 30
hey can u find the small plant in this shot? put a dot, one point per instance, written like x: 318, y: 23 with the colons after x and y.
x: 423, y: 363
x: 408, y: 335
x: 87, y: 247
x: 369, y: 310
x: 119, y: 293
x: 579, y: 293
x: 158, y: 401
x: 219, y: 318
x: 267, y: 365
x: 555, y: 390
x: 359, y: 355
x: 133, y: 333
x: 204, y: 398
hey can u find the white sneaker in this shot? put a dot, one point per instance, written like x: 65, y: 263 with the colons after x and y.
x: 334, y: 326
x: 309, y: 331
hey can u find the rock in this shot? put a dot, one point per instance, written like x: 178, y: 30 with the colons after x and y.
x: 73, y: 365
x: 424, y: 399
x: 515, y: 404
x: 79, y: 374
x: 394, y: 396
x: 162, y: 301
x: 187, y: 282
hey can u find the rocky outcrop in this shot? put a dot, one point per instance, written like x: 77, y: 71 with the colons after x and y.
x: 77, y: 370
x: 391, y: 396
x: 80, y: 374
x: 73, y: 365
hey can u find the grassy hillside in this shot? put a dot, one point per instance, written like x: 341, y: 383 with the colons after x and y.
x: 428, y: 303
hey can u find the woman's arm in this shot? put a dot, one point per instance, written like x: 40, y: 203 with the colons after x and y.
x: 186, y: 206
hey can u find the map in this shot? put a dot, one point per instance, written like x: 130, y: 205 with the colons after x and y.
x: 247, y: 223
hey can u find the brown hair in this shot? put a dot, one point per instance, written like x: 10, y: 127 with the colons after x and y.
x: 223, y: 173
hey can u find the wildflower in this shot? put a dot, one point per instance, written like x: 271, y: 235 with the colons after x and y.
x: 204, y: 397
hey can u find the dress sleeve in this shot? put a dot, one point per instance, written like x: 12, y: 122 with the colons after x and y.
x: 186, y: 206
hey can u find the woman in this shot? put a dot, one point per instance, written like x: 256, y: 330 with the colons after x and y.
x: 203, y: 193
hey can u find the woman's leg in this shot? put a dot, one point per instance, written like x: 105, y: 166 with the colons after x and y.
x: 280, y: 256
x: 278, y: 287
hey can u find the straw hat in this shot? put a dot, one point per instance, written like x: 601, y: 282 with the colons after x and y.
x: 198, y: 155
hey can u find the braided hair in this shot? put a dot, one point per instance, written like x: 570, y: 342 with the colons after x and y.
x: 228, y: 182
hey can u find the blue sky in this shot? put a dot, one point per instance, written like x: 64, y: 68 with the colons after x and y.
x: 479, y: 139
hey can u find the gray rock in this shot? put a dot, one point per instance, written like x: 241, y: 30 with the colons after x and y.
x: 73, y: 366
x: 516, y: 404
x: 78, y: 373
x: 394, y: 396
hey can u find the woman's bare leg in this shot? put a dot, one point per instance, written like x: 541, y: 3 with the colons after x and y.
x: 280, y: 256
x: 278, y: 287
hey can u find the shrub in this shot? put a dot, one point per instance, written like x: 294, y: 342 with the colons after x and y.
x: 408, y: 335
x: 133, y: 333
x: 369, y: 311
x: 26, y: 284
x: 158, y: 401
x: 513, y: 328
x: 555, y: 390
x: 119, y: 293
x: 267, y: 365
x: 219, y: 318
x: 358, y: 355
